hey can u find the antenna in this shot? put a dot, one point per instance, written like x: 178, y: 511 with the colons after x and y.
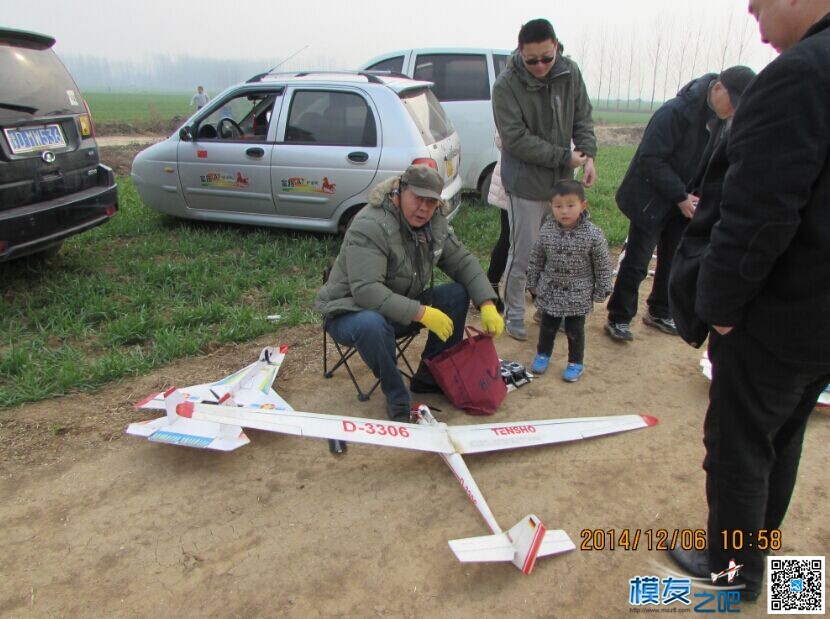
x: 287, y: 59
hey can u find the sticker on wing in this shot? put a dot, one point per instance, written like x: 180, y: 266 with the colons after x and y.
x: 495, y: 436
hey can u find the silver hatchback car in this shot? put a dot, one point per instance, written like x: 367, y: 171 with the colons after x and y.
x: 298, y: 150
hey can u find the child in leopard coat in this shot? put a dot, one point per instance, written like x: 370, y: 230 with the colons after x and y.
x: 569, y: 271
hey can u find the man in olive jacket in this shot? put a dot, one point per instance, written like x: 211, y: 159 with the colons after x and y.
x: 381, y: 283
x: 764, y: 288
x: 540, y: 105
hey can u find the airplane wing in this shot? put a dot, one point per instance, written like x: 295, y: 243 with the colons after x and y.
x: 250, y: 386
x: 495, y: 436
x: 189, y: 433
x: 352, y: 429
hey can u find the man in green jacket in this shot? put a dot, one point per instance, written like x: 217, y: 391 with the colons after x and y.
x: 381, y: 283
x: 540, y: 106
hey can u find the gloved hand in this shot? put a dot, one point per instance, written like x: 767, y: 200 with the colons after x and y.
x: 438, y: 322
x: 491, y: 320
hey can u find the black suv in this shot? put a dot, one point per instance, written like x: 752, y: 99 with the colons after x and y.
x: 52, y: 183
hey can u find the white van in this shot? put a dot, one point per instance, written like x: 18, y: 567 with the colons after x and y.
x: 463, y: 79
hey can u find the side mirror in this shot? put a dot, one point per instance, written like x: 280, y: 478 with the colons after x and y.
x: 186, y: 134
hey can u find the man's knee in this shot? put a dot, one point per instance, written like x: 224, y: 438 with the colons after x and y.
x: 362, y: 326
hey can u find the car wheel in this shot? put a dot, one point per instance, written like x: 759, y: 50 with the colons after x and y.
x: 346, y: 220
x: 485, y: 187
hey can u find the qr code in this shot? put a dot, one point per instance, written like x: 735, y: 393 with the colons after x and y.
x: 795, y: 585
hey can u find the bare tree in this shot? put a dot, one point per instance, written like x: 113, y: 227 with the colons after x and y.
x: 655, y: 59
x: 694, y: 55
x: 602, y: 53
x: 632, y: 46
x: 725, y: 42
x: 743, y: 41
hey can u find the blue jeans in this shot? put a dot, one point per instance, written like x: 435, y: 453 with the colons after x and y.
x: 373, y: 335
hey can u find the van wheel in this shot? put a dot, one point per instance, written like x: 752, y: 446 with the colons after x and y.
x: 485, y: 187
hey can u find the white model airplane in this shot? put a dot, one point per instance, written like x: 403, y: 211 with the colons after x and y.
x: 249, y: 387
x: 522, y: 544
x: 730, y: 572
x: 706, y: 368
x: 212, y: 416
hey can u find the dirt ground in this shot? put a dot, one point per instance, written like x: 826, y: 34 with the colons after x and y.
x: 95, y: 523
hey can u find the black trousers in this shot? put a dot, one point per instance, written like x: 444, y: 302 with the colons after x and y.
x: 754, y: 429
x: 498, y: 257
x: 574, y: 330
x: 622, y: 306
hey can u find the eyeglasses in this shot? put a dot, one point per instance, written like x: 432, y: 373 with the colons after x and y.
x: 544, y: 60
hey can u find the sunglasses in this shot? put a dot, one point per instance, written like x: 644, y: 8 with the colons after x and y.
x: 544, y: 60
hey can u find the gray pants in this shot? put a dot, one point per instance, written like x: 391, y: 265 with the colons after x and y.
x: 525, y: 221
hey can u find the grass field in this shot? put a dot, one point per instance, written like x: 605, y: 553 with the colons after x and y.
x: 144, y: 108
x: 137, y: 107
x: 146, y: 289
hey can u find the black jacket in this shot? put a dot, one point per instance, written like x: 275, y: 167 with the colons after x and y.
x: 767, y: 267
x: 685, y: 267
x: 668, y: 155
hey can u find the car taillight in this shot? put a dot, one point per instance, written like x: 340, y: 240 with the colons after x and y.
x: 425, y: 161
x: 87, y: 124
x: 110, y: 211
x: 4, y: 245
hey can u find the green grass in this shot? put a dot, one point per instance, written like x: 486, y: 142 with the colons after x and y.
x: 145, y: 289
x: 620, y: 117
x: 138, y: 108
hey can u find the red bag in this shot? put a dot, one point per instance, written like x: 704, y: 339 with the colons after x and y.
x: 469, y: 374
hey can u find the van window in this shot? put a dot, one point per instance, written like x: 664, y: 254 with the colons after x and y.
x: 42, y: 86
x: 390, y: 64
x: 499, y: 63
x: 457, y: 77
x: 428, y: 115
x: 331, y: 118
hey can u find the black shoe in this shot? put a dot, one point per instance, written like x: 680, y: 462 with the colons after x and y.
x: 619, y: 331
x: 420, y: 385
x: 693, y: 562
x: 696, y: 563
x: 399, y: 413
x: 666, y: 325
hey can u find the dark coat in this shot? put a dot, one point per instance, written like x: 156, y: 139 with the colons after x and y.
x: 767, y: 268
x: 685, y: 266
x: 668, y: 155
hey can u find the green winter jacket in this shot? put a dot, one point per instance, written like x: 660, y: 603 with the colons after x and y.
x: 382, y: 266
x: 536, y: 120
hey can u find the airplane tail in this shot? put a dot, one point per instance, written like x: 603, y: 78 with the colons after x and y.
x: 527, y: 540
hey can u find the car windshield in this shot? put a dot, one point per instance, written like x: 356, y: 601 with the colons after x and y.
x: 41, y: 84
x: 428, y: 115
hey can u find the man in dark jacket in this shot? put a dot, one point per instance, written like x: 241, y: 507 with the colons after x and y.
x: 654, y: 195
x: 764, y: 287
x: 381, y: 283
x: 540, y: 105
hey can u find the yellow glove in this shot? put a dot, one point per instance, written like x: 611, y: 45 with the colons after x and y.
x: 491, y: 320
x: 438, y: 322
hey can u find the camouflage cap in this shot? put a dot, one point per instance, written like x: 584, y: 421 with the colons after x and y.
x: 424, y: 181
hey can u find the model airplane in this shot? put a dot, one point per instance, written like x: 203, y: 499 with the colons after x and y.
x: 522, y: 544
x: 706, y: 368
x: 730, y: 572
x: 249, y: 387
x: 212, y: 416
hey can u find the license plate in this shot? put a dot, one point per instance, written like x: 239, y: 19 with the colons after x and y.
x: 34, y: 139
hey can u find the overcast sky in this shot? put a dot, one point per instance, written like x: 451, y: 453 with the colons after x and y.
x: 346, y: 34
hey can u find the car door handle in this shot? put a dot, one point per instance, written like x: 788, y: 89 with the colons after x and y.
x: 255, y: 152
x: 359, y: 156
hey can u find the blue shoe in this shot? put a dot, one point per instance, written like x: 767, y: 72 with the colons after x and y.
x: 540, y: 363
x: 573, y: 372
